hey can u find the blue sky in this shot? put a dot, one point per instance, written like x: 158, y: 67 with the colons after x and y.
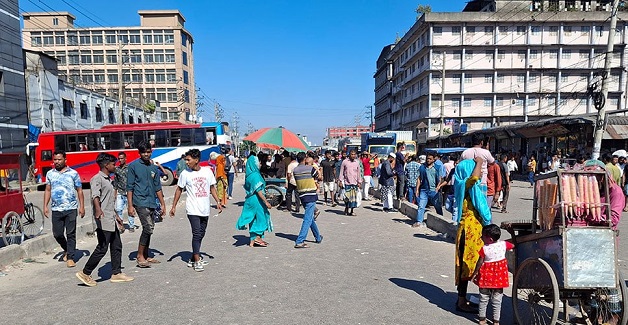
x: 302, y: 64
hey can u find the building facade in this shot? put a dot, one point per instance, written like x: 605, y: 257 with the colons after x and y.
x: 13, y: 117
x: 337, y: 132
x: 480, y: 69
x: 54, y: 105
x: 138, y: 64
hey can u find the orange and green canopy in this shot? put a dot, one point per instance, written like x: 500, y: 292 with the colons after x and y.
x: 275, y: 138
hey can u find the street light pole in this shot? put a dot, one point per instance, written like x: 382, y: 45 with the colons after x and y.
x: 442, y: 104
x: 600, y: 124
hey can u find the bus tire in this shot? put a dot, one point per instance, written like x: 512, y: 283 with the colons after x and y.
x: 167, y: 179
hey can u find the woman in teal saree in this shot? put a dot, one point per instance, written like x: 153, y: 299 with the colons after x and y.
x: 255, y: 215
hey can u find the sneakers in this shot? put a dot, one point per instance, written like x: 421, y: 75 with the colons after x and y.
x: 121, y: 277
x: 70, y: 263
x: 198, y: 266
x: 86, y: 279
x: 202, y: 261
x: 230, y: 197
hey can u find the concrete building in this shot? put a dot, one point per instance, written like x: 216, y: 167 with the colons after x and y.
x: 337, y: 132
x: 513, y: 64
x: 153, y: 61
x: 54, y: 105
x: 13, y: 117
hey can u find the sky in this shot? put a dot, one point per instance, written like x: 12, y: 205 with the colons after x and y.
x: 305, y: 65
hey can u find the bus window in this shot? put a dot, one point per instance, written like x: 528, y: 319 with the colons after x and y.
x: 151, y: 138
x: 161, y: 138
x: 186, y: 137
x: 92, y: 142
x: 199, y: 136
x: 128, y: 140
x: 46, y: 155
x: 104, y: 141
x: 60, y: 142
x: 175, y: 138
x: 210, y: 136
x: 72, y: 143
x: 82, y: 142
x: 139, y: 137
x: 117, y: 141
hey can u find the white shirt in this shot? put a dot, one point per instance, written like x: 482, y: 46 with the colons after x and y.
x: 197, y: 184
x: 512, y: 165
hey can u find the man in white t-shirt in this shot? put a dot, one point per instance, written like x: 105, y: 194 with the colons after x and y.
x: 199, y: 182
x: 480, y: 143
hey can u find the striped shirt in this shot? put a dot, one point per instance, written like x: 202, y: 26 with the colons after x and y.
x: 305, y: 177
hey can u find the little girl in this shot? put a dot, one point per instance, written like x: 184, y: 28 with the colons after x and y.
x: 491, y: 272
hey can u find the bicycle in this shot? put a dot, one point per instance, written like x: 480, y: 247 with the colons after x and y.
x: 32, y: 218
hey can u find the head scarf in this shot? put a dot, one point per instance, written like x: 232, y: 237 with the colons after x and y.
x: 461, y: 174
x: 594, y: 164
x: 253, y: 182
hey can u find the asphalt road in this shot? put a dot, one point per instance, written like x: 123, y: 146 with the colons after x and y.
x: 370, y: 269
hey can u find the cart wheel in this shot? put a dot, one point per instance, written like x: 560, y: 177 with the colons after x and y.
x: 12, y: 232
x: 33, y: 221
x: 274, y: 196
x: 535, y: 293
x: 167, y: 179
x: 607, y: 306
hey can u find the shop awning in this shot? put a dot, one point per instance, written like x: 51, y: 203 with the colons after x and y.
x: 616, y: 132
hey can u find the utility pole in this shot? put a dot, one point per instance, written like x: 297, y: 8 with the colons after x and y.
x: 370, y: 112
x: 442, y: 103
x: 236, y: 136
x: 218, y: 112
x: 600, y: 124
x: 120, y: 84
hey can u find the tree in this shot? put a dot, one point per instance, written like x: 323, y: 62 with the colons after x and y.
x: 421, y: 10
x: 150, y: 107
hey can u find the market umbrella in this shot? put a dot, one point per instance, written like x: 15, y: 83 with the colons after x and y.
x: 275, y: 138
x: 620, y: 153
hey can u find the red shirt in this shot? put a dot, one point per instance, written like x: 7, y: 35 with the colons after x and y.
x: 366, y: 162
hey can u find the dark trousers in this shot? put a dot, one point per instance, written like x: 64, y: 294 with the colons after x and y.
x: 505, y: 194
x: 148, y: 224
x: 199, y: 225
x: 106, y: 240
x: 292, y: 190
x: 401, y: 186
x: 65, y: 221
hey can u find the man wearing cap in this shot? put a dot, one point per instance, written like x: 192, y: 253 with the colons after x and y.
x: 387, y: 183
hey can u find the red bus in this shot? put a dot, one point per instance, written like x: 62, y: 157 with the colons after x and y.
x: 169, y: 141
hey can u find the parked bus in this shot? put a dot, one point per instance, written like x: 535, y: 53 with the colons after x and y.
x: 169, y: 140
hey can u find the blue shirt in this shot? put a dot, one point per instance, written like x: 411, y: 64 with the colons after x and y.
x: 63, y: 187
x: 143, y: 179
x: 412, y: 171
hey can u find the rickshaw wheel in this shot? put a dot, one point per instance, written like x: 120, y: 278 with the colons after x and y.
x: 12, y: 232
x: 33, y: 224
x: 607, y: 306
x: 274, y: 196
x: 535, y: 293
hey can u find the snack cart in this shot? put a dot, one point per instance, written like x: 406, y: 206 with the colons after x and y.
x: 11, y: 199
x: 566, y: 256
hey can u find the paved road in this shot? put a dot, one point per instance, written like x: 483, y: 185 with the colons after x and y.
x: 370, y: 269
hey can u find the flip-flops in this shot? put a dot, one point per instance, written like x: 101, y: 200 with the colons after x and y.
x: 143, y: 265
x: 152, y: 260
x: 302, y: 245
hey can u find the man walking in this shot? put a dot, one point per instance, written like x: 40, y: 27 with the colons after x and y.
x: 478, y: 149
x: 199, y: 182
x: 329, y: 178
x: 63, y: 186
x: 119, y: 184
x: 429, y: 178
x: 305, y: 177
x: 366, y: 163
x: 108, y: 224
x: 350, y: 177
x: 230, y: 162
x: 143, y: 188
x: 493, y: 184
x: 400, y: 164
x: 505, y: 173
x: 412, y: 178
x: 387, y: 183
x: 292, y: 186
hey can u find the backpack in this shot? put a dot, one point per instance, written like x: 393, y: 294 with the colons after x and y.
x: 227, y: 163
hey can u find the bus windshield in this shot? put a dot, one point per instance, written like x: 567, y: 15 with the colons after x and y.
x: 381, y: 151
x: 410, y: 147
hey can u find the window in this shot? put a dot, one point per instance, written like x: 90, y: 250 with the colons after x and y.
x: 112, y: 78
x: 124, y: 39
x: 55, y: 21
x: 135, y: 56
x: 566, y: 54
x: 456, y: 30
x: 49, y: 40
x: 468, y: 55
x: 160, y: 77
x: 599, y: 30
x: 67, y: 107
x: 488, y: 30
x: 112, y: 118
x: 148, y: 39
x: 86, y: 59
x: 87, y: 77
x: 186, y: 79
x: 567, y: 30
x: 488, y: 102
x: 436, y: 79
x: 159, y: 58
x: 501, y: 54
x: 564, y: 78
x: 488, y: 78
x: 521, y: 78
x: 534, y: 54
x: 98, y: 113
x: 184, y: 39
x: 110, y: 39
x: 470, y: 29
x: 499, y: 101
x: 161, y: 97
x: 553, y: 54
x: 553, y: 30
x: 535, y: 30
x: 99, y: 78
x: 158, y: 39
x: 500, y: 78
x: 532, y: 77
x: 135, y: 39
x: 518, y: 102
x: 585, y: 30
x: 85, y: 39
x: 584, y: 77
x: 169, y: 58
x: 186, y: 95
x: 136, y: 77
x: 126, y: 77
x: 457, y: 78
x: 98, y: 58
x: 149, y: 78
x: 521, y: 30
x: 531, y: 101
x: 171, y: 75
x: 149, y: 58
x: 83, y: 108
x: 72, y: 39
x: 36, y: 41
x: 60, y: 40
x: 489, y: 54
x: 457, y: 55
x: 551, y: 78
x: 466, y: 103
x: 185, y: 58
x: 169, y: 39
x: 438, y: 31
x: 112, y: 58
x: 455, y: 102
x: 73, y: 59
x: 468, y: 78
x: 584, y: 54
x: 97, y: 39
x: 521, y: 54
x: 503, y: 29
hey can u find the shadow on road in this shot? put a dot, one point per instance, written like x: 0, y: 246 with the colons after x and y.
x: 78, y: 254
x: 438, y: 237
x: 289, y: 237
x: 185, y: 256
x: 241, y: 240
x: 435, y: 295
x: 151, y: 253
x: 373, y: 209
x: 338, y: 212
x: 406, y: 221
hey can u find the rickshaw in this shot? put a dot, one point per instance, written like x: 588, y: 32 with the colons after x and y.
x: 11, y: 199
x: 275, y: 191
x: 567, y: 255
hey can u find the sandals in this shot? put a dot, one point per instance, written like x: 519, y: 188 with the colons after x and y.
x: 152, y: 260
x: 143, y: 265
x: 258, y: 243
x: 302, y: 245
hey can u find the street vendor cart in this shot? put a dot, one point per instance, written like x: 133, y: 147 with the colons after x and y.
x: 11, y: 200
x: 567, y: 255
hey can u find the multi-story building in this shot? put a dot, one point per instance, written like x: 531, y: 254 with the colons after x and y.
x: 13, y: 118
x: 499, y: 62
x: 336, y: 132
x: 150, y: 62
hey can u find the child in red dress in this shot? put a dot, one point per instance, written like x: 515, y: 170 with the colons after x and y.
x: 491, y: 272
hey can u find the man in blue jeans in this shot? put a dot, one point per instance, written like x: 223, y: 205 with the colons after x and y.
x: 231, y: 173
x: 429, y: 178
x: 306, y: 176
